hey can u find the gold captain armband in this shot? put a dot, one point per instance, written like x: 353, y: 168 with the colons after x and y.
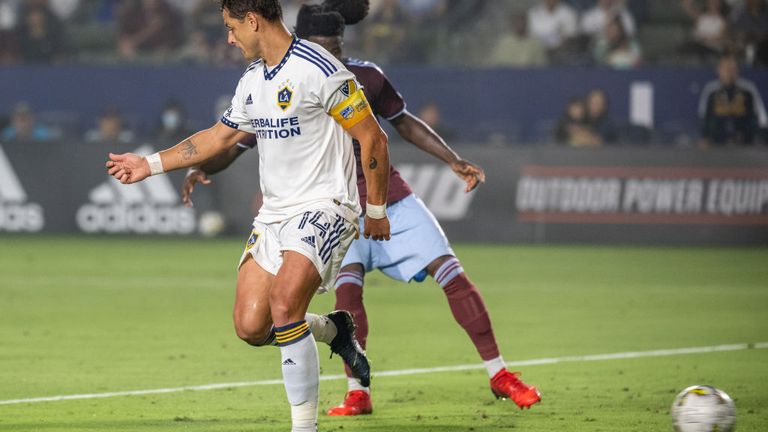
x: 352, y: 110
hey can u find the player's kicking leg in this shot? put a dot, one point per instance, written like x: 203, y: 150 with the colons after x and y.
x: 281, y: 296
x: 470, y: 312
x: 253, y: 321
x: 256, y: 308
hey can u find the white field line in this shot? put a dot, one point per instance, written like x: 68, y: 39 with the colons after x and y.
x: 533, y: 362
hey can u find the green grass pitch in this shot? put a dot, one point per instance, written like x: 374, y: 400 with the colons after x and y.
x: 96, y: 315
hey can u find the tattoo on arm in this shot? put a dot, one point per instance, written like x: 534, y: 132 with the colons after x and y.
x: 374, y: 163
x: 188, y: 150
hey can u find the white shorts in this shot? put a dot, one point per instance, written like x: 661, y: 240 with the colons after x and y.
x: 416, y: 240
x: 321, y: 235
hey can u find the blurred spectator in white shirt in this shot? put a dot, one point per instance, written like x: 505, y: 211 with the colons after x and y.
x: 553, y: 22
x: 9, y: 14
x: 63, y: 9
x: 9, y: 20
x: 710, y: 27
x: 594, y: 20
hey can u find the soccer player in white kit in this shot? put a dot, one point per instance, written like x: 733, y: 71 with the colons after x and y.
x: 305, y: 108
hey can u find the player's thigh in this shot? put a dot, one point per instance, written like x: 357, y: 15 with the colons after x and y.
x: 295, y: 284
x: 252, y: 312
x: 417, y: 241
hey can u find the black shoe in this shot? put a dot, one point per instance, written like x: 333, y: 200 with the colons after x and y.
x: 347, y: 347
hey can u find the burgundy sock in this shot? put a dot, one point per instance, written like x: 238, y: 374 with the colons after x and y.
x: 349, y: 297
x: 468, y: 307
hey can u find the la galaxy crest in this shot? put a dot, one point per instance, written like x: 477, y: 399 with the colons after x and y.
x: 252, y: 239
x: 285, y: 96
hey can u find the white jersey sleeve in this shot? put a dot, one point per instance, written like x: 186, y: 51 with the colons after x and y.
x: 337, y: 89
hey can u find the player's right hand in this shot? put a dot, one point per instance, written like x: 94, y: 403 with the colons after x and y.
x: 472, y: 174
x: 194, y: 176
x: 128, y: 167
x: 377, y: 229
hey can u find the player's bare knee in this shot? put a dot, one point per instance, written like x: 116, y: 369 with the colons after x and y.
x: 352, y: 268
x: 255, y: 339
x: 434, y: 265
x: 253, y: 334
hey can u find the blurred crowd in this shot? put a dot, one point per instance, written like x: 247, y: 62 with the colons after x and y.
x: 724, y: 35
x: 731, y: 113
x: 112, y: 128
x: 471, y: 33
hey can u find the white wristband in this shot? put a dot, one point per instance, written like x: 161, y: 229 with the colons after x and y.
x: 155, y: 164
x: 376, y: 211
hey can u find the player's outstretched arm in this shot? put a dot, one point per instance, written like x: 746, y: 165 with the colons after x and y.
x: 374, y: 155
x: 131, y: 168
x: 418, y: 133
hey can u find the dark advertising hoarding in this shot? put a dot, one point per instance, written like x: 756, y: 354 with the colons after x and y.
x: 537, y: 194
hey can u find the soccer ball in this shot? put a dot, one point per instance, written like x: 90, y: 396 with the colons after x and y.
x: 211, y: 224
x: 703, y: 408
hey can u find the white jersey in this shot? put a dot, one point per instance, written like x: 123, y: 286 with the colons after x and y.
x: 306, y: 158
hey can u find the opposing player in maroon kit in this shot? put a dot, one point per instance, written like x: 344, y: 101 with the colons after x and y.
x: 418, y: 247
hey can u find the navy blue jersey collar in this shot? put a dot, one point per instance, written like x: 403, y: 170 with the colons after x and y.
x: 269, y: 75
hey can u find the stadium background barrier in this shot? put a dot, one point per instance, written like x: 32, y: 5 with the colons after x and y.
x: 517, y: 105
x: 532, y: 194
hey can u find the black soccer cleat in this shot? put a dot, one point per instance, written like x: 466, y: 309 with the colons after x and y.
x: 347, y: 347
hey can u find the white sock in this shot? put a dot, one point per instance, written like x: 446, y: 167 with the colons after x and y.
x: 493, y: 366
x: 304, y: 417
x: 301, y: 373
x: 323, y: 329
x: 354, y: 384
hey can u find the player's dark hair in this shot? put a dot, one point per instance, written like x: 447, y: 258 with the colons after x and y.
x: 353, y: 11
x: 314, y: 20
x: 270, y: 10
x: 330, y: 18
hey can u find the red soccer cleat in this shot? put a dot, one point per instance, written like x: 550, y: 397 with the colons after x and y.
x: 506, y: 385
x: 356, y: 402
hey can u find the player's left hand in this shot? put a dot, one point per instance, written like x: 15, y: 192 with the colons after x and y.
x: 194, y: 176
x: 377, y: 229
x: 128, y: 167
x: 472, y: 174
